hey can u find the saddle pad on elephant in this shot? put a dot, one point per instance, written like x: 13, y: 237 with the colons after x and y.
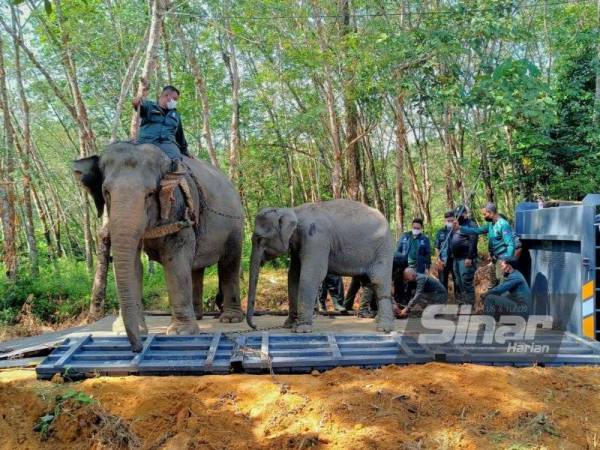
x: 168, y: 184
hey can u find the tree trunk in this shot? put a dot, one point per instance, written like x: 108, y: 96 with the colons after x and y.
x: 7, y: 183
x: 336, y: 177
x: 401, y: 150
x: 201, y: 92
x: 229, y: 55
x: 25, y: 155
x: 351, y: 119
x: 126, y: 85
x: 157, y: 13
x: 103, y: 261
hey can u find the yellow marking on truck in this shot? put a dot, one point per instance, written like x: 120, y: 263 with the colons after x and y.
x: 587, y: 290
x: 588, y: 327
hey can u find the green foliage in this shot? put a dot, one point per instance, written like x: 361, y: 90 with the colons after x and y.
x: 45, y: 423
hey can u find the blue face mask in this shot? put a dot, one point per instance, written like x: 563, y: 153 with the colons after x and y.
x: 171, y: 104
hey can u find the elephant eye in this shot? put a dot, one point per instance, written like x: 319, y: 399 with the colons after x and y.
x: 150, y: 194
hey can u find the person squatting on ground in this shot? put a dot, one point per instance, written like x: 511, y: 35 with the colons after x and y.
x: 335, y: 286
x: 161, y: 125
x: 511, y: 297
x: 501, y: 238
x: 428, y: 291
x: 460, y: 250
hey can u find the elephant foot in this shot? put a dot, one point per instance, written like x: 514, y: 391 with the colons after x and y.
x: 385, y: 316
x: 289, y: 322
x: 118, y: 326
x: 198, y: 315
x: 231, y: 316
x: 177, y: 327
x: 385, y: 326
x: 302, y: 328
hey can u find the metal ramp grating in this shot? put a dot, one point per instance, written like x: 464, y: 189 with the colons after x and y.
x: 564, y: 349
x: 217, y: 353
x: 305, y: 352
x: 160, y: 355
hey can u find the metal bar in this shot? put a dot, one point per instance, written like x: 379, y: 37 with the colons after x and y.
x: 147, y: 343
x: 69, y: 353
x: 208, y: 362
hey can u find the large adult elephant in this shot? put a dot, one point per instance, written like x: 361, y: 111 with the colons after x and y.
x: 340, y: 237
x: 126, y: 179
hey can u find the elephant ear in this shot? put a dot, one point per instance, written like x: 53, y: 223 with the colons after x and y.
x: 287, y: 225
x: 88, y: 173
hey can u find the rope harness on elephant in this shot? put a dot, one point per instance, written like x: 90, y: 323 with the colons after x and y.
x: 168, y: 184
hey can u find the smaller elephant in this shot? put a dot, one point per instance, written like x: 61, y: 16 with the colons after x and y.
x: 340, y: 237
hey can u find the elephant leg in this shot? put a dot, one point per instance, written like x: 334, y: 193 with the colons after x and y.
x: 293, y: 280
x: 229, y: 281
x: 381, y: 283
x: 178, y: 272
x: 118, y: 325
x: 313, y: 270
x: 197, y: 288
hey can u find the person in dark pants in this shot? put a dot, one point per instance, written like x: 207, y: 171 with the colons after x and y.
x: 460, y: 250
x: 414, y: 246
x: 447, y: 267
x: 161, y: 125
x: 428, y: 291
x: 368, y: 302
x: 335, y: 286
x: 511, y: 297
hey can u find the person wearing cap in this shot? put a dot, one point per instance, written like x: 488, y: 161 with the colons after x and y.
x: 501, y: 240
x: 511, y: 297
x: 445, y: 268
x: 428, y: 291
x: 460, y: 250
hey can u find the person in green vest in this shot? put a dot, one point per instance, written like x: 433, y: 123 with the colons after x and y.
x: 500, y: 238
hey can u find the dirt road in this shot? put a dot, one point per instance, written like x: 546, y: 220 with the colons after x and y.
x: 427, y: 406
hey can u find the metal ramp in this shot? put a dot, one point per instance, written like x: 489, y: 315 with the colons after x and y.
x: 218, y: 353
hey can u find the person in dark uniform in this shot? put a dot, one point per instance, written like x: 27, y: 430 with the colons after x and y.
x: 368, y: 302
x: 461, y: 250
x: 161, y: 125
x: 428, y: 291
x: 512, y: 296
x: 414, y: 248
x: 448, y: 267
x: 335, y: 286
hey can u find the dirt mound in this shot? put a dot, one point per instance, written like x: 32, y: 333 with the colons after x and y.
x: 427, y: 406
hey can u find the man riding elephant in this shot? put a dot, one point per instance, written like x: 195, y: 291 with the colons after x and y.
x: 161, y: 125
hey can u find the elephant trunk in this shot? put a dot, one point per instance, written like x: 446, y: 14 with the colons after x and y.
x: 255, y: 260
x: 127, y: 225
